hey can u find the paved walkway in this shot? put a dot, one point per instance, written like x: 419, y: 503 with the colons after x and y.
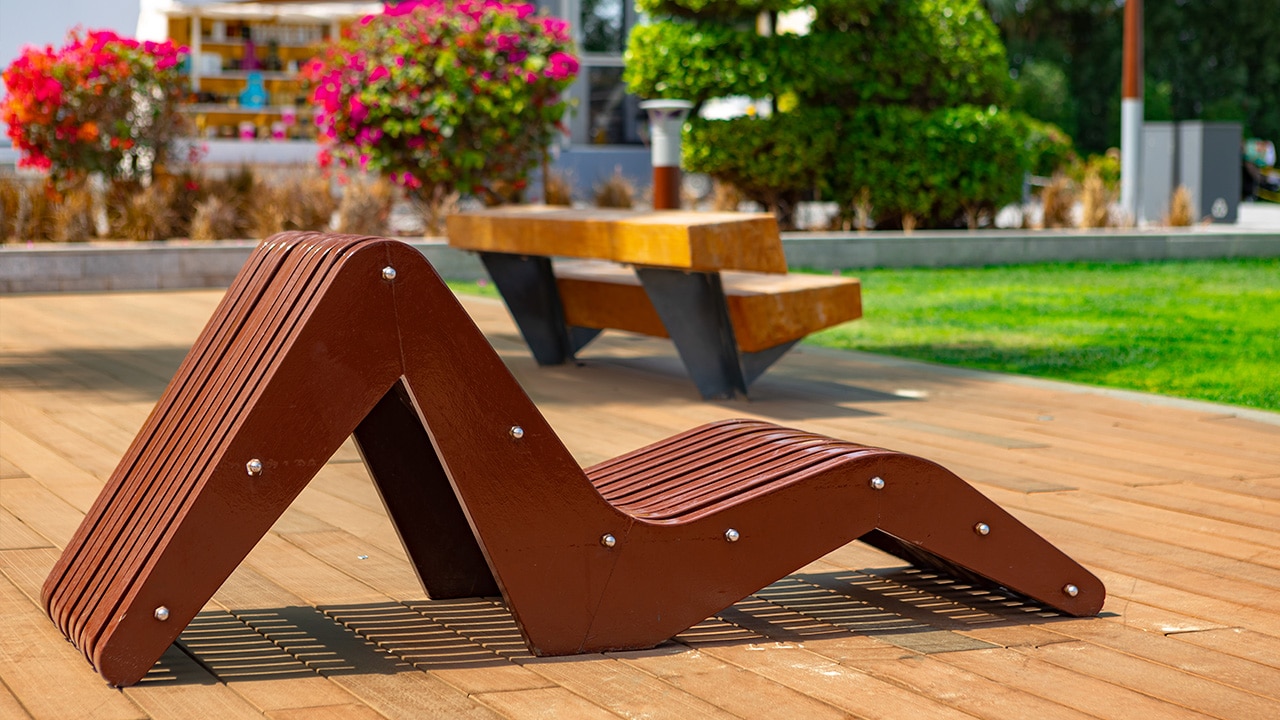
x: 1176, y: 508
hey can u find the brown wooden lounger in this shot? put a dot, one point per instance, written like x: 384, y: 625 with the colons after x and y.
x: 322, y: 336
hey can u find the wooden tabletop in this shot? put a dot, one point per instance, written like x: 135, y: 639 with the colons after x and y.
x: 699, y: 241
x: 1175, y: 507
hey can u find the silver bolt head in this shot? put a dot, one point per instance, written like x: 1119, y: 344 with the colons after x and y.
x: 877, y: 483
x: 254, y: 467
x: 162, y: 613
x: 608, y: 540
x: 1071, y: 590
x: 982, y: 528
x: 517, y: 432
x: 388, y: 273
x: 731, y: 535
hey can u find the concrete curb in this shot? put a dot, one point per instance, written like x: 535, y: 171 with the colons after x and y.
x: 173, y: 265
x: 104, y: 266
x: 841, y: 251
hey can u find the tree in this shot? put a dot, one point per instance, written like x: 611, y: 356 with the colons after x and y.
x: 896, y: 104
x: 1204, y: 60
x: 444, y: 96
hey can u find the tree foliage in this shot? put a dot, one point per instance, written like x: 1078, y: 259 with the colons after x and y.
x: 1204, y: 59
x: 895, y: 103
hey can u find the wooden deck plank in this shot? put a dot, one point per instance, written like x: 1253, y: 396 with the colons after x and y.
x: 78, y: 487
x: 738, y: 691
x: 1081, y: 691
x: 178, y: 687
x: 1175, y: 509
x: 40, y: 510
x: 327, y: 712
x: 554, y: 703
x: 17, y: 535
x: 623, y: 689
x: 1239, y: 673
x: 1156, y: 680
x: 257, y: 669
x: 10, y: 707
x: 46, y: 673
x: 909, y: 668
x: 1237, y: 642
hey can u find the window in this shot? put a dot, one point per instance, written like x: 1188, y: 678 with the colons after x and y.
x: 605, y: 114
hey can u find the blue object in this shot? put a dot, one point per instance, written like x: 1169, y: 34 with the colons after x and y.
x: 255, y: 93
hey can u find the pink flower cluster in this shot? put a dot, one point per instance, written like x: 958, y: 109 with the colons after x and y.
x: 66, y: 108
x: 452, y: 92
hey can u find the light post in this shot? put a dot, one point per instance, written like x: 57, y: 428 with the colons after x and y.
x: 666, y: 119
x: 1131, y: 111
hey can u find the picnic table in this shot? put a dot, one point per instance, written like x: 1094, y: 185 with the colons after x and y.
x: 715, y: 283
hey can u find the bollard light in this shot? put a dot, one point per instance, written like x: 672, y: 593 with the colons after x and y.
x: 666, y: 119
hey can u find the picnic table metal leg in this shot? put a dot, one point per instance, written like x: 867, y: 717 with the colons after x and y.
x: 528, y: 286
x: 693, y: 309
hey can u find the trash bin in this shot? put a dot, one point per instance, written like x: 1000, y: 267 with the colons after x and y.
x: 1209, y: 165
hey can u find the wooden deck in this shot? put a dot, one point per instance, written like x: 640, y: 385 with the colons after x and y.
x: 1176, y: 509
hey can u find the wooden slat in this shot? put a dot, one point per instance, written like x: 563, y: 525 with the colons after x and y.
x: 765, y: 310
x: 705, y: 242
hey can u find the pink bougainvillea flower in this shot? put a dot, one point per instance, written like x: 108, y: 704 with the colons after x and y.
x: 444, y: 95
x: 358, y: 110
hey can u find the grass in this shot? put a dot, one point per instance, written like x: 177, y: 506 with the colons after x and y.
x: 1208, y: 330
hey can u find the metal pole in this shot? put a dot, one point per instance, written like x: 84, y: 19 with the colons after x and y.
x: 666, y: 119
x: 1131, y: 112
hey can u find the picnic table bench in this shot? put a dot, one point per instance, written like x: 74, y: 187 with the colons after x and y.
x: 715, y: 283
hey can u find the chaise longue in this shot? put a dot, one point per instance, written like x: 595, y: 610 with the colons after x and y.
x: 325, y: 336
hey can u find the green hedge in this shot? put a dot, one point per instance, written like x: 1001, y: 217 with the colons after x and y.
x: 775, y: 160
x: 936, y: 165
x: 899, y: 97
x: 911, y: 53
x: 740, y: 9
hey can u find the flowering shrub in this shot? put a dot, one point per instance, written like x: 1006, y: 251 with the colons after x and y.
x: 444, y: 95
x: 102, y: 103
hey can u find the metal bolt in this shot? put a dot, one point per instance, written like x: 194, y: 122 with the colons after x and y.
x: 608, y: 540
x: 982, y: 528
x: 162, y: 613
x: 1071, y: 590
x: 254, y: 467
x: 388, y: 273
x: 731, y: 535
x: 517, y: 432
x: 877, y: 483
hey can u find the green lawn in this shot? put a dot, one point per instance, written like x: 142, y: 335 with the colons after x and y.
x: 1208, y: 330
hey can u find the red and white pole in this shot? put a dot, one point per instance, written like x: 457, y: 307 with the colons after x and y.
x: 1131, y: 111
x: 666, y: 121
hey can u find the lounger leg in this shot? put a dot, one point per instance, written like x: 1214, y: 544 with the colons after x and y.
x: 692, y: 308
x: 528, y: 286
x: 422, y: 505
